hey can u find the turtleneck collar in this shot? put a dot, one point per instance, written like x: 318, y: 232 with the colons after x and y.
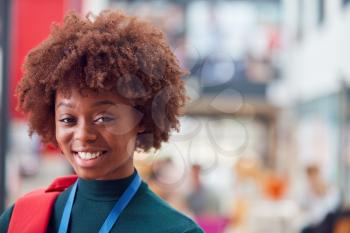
x: 103, y: 190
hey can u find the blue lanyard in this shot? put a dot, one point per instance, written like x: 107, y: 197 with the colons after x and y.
x: 113, y: 215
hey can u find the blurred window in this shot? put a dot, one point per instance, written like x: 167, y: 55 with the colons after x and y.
x: 300, y: 19
x: 321, y: 11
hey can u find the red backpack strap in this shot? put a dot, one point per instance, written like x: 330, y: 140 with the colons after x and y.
x: 31, y: 213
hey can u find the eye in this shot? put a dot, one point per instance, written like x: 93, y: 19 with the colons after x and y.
x: 67, y: 120
x: 104, y: 119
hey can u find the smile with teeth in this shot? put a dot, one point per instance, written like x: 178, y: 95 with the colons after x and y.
x: 88, y: 155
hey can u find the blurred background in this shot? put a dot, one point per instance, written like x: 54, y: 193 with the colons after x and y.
x: 264, y: 144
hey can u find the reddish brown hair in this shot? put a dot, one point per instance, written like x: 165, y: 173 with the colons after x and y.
x: 113, y: 52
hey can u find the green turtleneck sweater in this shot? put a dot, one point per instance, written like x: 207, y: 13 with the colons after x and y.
x: 146, y: 212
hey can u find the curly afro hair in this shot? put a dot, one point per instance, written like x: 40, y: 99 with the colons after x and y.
x: 113, y: 52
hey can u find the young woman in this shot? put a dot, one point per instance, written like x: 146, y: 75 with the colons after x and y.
x: 99, y: 90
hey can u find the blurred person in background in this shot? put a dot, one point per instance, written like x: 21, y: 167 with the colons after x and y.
x: 318, y: 201
x: 201, y: 200
x: 204, y: 204
x: 99, y: 89
x: 163, y: 180
x: 247, y: 172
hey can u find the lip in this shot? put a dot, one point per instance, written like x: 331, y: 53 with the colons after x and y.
x: 90, y: 163
x: 91, y: 150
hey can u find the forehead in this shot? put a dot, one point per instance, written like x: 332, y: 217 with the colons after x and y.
x: 76, y: 95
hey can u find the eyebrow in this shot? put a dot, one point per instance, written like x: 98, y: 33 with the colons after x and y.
x: 98, y: 103
x: 103, y: 102
x: 64, y: 105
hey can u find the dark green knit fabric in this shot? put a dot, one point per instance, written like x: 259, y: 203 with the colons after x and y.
x: 146, y: 213
x: 5, y: 220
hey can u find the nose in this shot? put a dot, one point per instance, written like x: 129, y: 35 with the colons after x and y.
x: 85, y: 133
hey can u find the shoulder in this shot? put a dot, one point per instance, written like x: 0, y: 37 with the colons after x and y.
x: 22, y: 203
x: 29, y: 204
x: 160, y: 215
x: 5, y: 219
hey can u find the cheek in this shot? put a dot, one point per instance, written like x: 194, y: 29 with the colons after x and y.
x: 122, y: 129
x: 59, y: 135
x: 62, y: 138
x: 121, y: 132
x: 131, y: 146
x: 121, y: 142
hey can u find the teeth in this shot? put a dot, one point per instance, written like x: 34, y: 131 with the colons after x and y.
x: 88, y: 155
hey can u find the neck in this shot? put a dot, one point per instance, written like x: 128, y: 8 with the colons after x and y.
x: 123, y: 171
x: 120, y: 175
x: 104, y: 189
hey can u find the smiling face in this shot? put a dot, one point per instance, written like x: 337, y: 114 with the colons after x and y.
x: 97, y: 132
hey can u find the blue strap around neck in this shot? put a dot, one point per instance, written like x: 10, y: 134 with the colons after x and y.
x: 113, y: 216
